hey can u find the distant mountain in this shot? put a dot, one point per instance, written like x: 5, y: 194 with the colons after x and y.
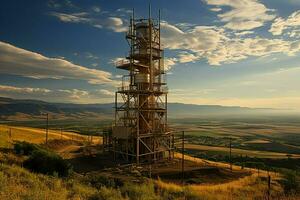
x: 13, y: 109
x: 29, y: 109
x: 193, y: 110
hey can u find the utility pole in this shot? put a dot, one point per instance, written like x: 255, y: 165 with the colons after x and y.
x: 269, y: 185
x: 182, y: 163
x: 230, y: 154
x: 47, y: 126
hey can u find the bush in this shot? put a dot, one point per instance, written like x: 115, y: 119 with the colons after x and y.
x: 25, y: 148
x: 290, y: 182
x: 47, y: 162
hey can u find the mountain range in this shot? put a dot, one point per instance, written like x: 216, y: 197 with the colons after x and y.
x: 19, y: 109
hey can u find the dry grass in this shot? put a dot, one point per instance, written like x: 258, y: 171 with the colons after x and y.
x: 17, y: 183
x: 37, y: 136
x: 248, y: 188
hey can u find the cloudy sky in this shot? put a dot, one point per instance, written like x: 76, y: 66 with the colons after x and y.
x: 226, y: 52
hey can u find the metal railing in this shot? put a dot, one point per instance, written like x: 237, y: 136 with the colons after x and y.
x: 134, y: 88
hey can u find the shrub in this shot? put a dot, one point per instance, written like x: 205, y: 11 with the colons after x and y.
x: 25, y: 148
x: 47, y: 162
x: 290, y: 182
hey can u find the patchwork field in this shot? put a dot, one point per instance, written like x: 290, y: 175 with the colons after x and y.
x: 238, y: 152
x: 257, y: 138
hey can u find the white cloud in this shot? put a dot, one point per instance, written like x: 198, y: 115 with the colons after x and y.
x: 25, y: 90
x: 73, y: 94
x: 244, y: 14
x: 279, y: 25
x: 185, y: 57
x: 59, y: 95
x: 218, y: 46
x: 41, y: 93
x: 169, y: 63
x: 17, y: 61
x: 216, y: 9
x: 294, y: 33
x: 243, y: 33
x: 185, y: 26
x: 198, y: 39
x: 72, y: 18
x: 233, y: 50
x: 106, y: 92
x: 115, y: 24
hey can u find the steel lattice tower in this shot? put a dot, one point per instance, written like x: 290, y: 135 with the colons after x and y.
x: 140, y: 132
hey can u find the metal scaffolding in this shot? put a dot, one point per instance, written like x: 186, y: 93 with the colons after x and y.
x: 140, y: 133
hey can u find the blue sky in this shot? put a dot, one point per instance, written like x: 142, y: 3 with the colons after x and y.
x: 226, y: 52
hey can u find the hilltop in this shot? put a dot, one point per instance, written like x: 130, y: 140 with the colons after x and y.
x: 211, y: 180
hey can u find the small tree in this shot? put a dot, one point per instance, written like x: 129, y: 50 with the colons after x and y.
x: 46, y: 162
x: 290, y: 182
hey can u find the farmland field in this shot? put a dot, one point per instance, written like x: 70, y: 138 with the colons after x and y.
x: 255, y: 138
